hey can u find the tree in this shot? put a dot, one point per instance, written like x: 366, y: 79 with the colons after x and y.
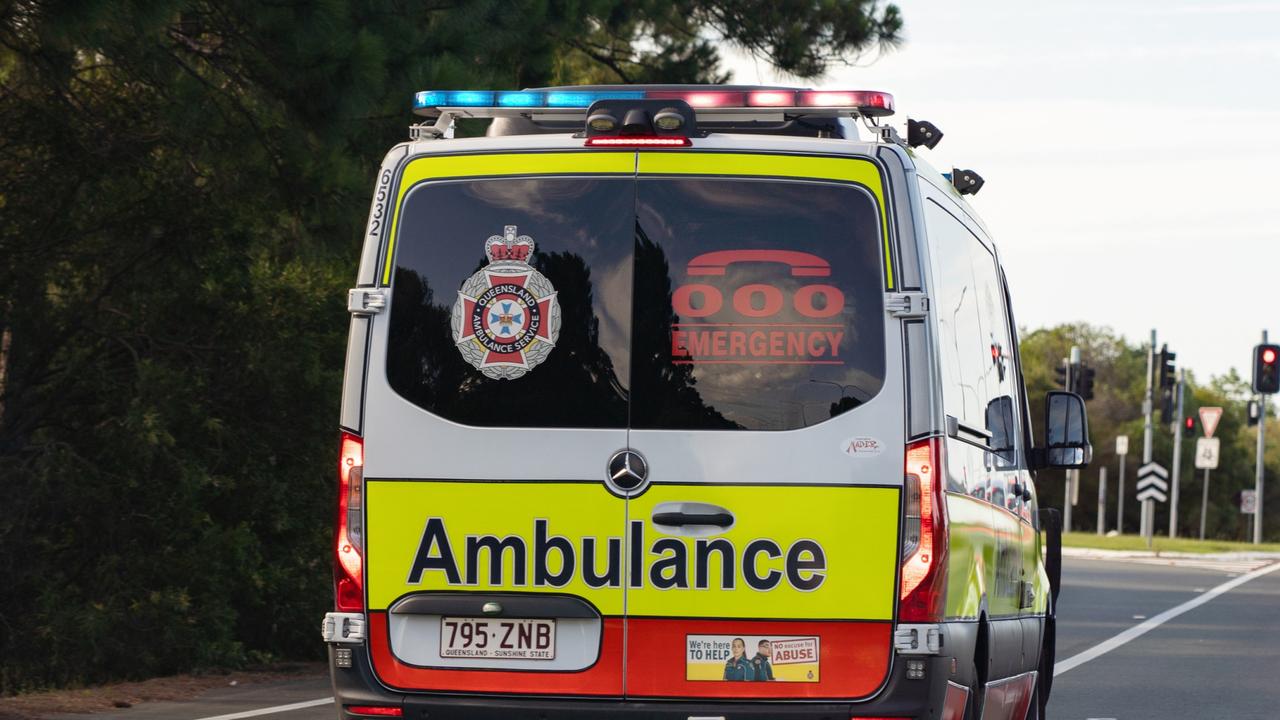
x: 1117, y: 410
x: 183, y: 184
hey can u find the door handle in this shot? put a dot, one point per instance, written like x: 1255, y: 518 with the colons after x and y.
x: 692, y: 519
x: 720, y: 519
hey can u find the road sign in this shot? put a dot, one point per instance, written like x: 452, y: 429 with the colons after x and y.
x: 1248, y: 502
x: 1153, y: 473
x: 1153, y: 493
x: 1209, y: 417
x: 1153, y: 482
x: 1207, y: 453
x: 1122, y: 445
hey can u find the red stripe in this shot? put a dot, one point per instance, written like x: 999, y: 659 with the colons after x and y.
x: 603, y: 678
x: 853, y: 658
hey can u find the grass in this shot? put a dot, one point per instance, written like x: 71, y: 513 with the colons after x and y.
x: 1162, y: 544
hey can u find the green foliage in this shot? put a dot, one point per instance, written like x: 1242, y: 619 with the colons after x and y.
x: 1117, y: 410
x: 183, y: 184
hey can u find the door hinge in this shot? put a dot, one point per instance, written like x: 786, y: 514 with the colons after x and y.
x: 339, y: 627
x: 918, y: 639
x: 366, y: 301
x: 907, y: 305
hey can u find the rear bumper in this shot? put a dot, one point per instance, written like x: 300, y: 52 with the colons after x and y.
x: 900, y: 697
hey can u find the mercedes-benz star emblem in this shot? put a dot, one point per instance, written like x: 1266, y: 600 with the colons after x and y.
x: 628, y: 471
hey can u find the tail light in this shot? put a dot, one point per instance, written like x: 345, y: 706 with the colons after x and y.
x: 640, y: 141
x: 349, y: 540
x: 924, y: 538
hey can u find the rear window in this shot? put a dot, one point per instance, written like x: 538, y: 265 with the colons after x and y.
x: 581, y: 231
x: 758, y: 303
x: 658, y: 303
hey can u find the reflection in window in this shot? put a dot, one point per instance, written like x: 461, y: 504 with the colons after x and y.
x: 976, y: 344
x: 759, y: 304
x: 582, y: 228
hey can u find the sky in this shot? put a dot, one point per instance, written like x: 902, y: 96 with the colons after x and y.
x: 1129, y: 150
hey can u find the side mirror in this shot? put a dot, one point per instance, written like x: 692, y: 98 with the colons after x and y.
x: 1066, y: 433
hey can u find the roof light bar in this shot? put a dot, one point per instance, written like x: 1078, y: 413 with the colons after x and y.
x: 866, y: 102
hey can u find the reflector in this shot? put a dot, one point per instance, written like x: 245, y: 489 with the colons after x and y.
x: 378, y: 710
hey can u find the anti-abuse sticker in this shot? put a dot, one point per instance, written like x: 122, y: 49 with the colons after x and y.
x: 751, y: 658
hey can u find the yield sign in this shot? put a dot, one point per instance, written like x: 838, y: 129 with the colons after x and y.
x: 1209, y: 417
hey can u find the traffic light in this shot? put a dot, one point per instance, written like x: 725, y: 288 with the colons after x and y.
x: 1266, y: 369
x: 1166, y: 406
x: 1061, y: 376
x: 1165, y: 369
x: 1189, y: 427
x: 1255, y: 412
x: 1084, y: 385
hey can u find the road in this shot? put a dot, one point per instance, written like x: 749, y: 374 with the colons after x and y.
x: 1217, y: 660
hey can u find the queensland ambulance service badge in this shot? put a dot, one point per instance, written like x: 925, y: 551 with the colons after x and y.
x: 506, y: 319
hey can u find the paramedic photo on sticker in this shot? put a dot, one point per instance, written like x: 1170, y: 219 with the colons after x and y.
x: 639, y: 360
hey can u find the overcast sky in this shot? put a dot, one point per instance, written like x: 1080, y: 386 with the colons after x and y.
x: 1130, y: 152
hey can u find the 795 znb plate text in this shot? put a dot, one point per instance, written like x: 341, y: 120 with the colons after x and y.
x: 462, y: 637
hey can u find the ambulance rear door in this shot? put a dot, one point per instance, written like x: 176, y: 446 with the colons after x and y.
x: 767, y: 404
x: 494, y: 553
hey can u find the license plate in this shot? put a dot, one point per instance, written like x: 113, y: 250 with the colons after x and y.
x: 511, y: 638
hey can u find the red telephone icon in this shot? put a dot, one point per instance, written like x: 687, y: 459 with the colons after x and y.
x: 802, y: 264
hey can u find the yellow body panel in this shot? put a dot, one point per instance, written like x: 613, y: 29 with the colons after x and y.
x: 856, y: 527
x: 971, y: 555
x: 814, y: 552
x: 398, y: 514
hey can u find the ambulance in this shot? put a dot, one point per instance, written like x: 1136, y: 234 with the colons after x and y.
x: 686, y: 403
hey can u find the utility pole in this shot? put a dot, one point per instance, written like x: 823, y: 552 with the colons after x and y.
x: 1072, y: 475
x: 1102, y: 500
x: 1122, y: 449
x: 1177, y: 456
x: 1262, y: 447
x: 1148, y: 506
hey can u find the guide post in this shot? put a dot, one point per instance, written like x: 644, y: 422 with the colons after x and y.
x: 1122, y: 449
x: 1102, y: 500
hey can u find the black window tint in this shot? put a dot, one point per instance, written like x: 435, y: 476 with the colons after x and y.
x: 759, y: 304
x: 582, y: 230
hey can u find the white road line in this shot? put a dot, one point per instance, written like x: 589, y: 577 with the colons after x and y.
x: 271, y: 710
x: 1147, y: 626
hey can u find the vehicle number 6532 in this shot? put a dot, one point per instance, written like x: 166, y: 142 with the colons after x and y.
x: 380, y: 202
